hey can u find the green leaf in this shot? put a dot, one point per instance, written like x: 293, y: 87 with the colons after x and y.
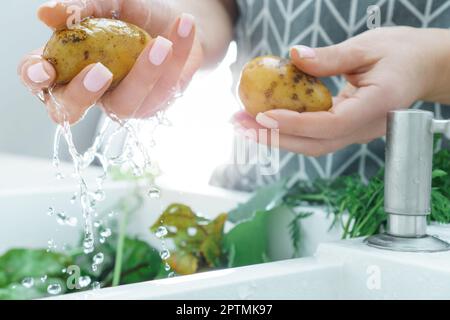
x: 17, y: 264
x: 439, y: 174
x: 177, y: 216
x: 247, y: 242
x: 15, y: 291
x: 140, y: 262
x: 211, y: 248
x: 264, y: 199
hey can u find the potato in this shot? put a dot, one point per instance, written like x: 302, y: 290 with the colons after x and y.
x: 271, y: 82
x: 114, y: 43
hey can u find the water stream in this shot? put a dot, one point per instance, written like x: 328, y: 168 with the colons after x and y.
x: 134, y: 154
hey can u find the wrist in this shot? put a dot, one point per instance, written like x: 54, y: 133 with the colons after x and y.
x: 438, y: 84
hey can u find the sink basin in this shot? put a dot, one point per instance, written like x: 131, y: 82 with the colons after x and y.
x: 340, y: 270
x: 329, y: 269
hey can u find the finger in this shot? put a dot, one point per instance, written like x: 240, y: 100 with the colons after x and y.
x: 127, y: 98
x: 36, y: 73
x: 320, y: 147
x: 182, y: 35
x: 346, y: 57
x: 74, y: 99
x: 63, y: 13
x: 345, y: 93
x: 307, y: 146
x: 342, y: 120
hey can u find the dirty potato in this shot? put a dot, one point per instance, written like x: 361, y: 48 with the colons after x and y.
x: 114, y: 43
x: 271, y: 82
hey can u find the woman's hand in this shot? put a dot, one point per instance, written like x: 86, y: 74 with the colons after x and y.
x: 165, y: 66
x: 386, y: 69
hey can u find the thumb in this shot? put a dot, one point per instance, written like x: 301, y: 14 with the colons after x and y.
x: 329, y: 61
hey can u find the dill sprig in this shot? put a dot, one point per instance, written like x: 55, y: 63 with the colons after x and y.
x: 358, y: 207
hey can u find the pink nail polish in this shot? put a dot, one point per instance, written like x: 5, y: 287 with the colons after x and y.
x: 160, y: 51
x: 97, y: 78
x: 266, y: 121
x: 305, y: 52
x: 37, y: 73
x: 186, y: 24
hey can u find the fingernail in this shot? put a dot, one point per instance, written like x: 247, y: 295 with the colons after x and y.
x: 305, y: 52
x: 266, y: 121
x: 97, y: 78
x: 37, y: 73
x: 160, y: 51
x: 186, y: 25
x: 49, y: 4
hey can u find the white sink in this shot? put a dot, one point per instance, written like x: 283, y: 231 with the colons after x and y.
x: 337, y: 270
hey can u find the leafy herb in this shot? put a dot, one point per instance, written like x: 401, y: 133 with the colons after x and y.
x: 294, y: 230
x: 358, y: 207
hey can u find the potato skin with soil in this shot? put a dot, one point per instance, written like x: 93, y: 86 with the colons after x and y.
x: 114, y: 43
x: 272, y: 82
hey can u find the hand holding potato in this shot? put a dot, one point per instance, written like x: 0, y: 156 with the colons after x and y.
x: 164, y: 64
x: 269, y: 83
x: 386, y: 69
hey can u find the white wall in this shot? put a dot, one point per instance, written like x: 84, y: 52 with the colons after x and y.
x: 24, y: 125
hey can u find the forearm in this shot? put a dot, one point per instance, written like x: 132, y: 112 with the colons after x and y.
x: 215, y: 22
x: 440, y: 57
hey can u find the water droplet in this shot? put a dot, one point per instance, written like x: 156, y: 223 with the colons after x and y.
x: 192, y: 231
x: 165, y: 254
x: 112, y: 214
x: 94, y: 267
x: 97, y: 224
x: 50, y: 211
x: 137, y: 172
x: 96, y: 285
x: 74, y: 198
x: 54, y: 289
x: 161, y: 232
x: 102, y: 240
x: 106, y: 233
x: 154, y: 193
x: 71, y: 221
x: 167, y: 267
x: 172, y: 229
x: 171, y: 275
x: 84, y: 281
x: 28, y: 282
x: 64, y: 270
x: 55, y: 162
x: 44, y: 278
x: 98, y: 258
x: 59, y: 176
x: 99, y: 195
x: 61, y: 218
x: 51, y: 245
x: 88, y: 243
